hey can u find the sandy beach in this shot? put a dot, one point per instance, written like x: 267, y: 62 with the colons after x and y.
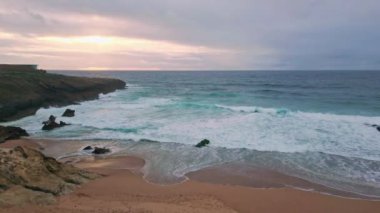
x: 122, y: 189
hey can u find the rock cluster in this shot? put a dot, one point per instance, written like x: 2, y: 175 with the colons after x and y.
x: 52, y: 124
x: 35, y: 178
x: 11, y: 132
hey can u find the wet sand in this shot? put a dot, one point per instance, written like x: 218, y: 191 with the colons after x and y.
x: 247, y: 175
x: 122, y: 189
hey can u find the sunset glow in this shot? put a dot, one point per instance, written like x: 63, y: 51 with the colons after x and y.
x: 92, y: 40
x: 99, y: 49
x: 99, y: 44
x: 172, y: 35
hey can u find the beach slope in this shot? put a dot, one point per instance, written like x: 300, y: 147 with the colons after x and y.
x: 122, y: 189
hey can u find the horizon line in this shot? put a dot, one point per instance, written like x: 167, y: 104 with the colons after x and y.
x: 211, y: 70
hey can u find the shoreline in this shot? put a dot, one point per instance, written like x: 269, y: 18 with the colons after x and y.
x: 123, y: 187
x: 234, y: 174
x: 261, y: 178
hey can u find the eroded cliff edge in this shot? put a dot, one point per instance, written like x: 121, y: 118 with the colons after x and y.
x: 27, y: 176
x: 23, y: 93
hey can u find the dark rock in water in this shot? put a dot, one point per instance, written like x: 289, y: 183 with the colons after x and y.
x: 11, y: 132
x: 374, y: 126
x: 99, y: 151
x: 36, y: 178
x: 52, y: 124
x: 61, y: 123
x: 203, y: 143
x: 87, y: 148
x: 69, y: 113
x: 51, y: 119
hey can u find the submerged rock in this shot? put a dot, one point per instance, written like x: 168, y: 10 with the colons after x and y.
x: 11, y: 132
x: 87, y: 148
x: 99, y: 151
x: 203, y: 143
x: 52, y: 124
x: 69, y: 113
x: 37, y: 177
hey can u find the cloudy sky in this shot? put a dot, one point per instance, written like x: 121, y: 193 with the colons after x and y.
x: 191, y: 34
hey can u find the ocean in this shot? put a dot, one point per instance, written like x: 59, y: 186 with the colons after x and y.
x: 315, y: 125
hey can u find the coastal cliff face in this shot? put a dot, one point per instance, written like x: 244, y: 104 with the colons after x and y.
x: 27, y: 176
x: 23, y: 93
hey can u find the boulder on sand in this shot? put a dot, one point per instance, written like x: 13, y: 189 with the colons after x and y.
x: 87, y: 148
x: 52, y: 124
x: 11, y: 132
x: 69, y: 113
x: 203, y: 143
x: 99, y: 151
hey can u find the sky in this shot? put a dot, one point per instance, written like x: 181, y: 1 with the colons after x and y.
x: 191, y: 34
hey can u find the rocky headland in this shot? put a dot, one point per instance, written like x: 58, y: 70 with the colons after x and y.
x: 26, y: 175
x: 23, y: 93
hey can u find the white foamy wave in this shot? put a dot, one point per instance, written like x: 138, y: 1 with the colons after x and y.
x: 257, y: 128
x: 334, y: 150
x: 253, y: 109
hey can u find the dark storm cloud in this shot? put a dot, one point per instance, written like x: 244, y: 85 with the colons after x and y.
x: 264, y: 34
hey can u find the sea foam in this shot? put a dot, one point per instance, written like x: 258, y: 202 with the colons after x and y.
x: 339, y: 151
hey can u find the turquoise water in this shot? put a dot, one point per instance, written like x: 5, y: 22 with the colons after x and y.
x: 313, y: 125
x: 336, y: 92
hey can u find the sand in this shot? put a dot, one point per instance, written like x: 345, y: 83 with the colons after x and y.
x: 122, y: 189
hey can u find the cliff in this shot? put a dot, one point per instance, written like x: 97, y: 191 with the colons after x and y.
x: 23, y: 93
x: 27, y: 176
